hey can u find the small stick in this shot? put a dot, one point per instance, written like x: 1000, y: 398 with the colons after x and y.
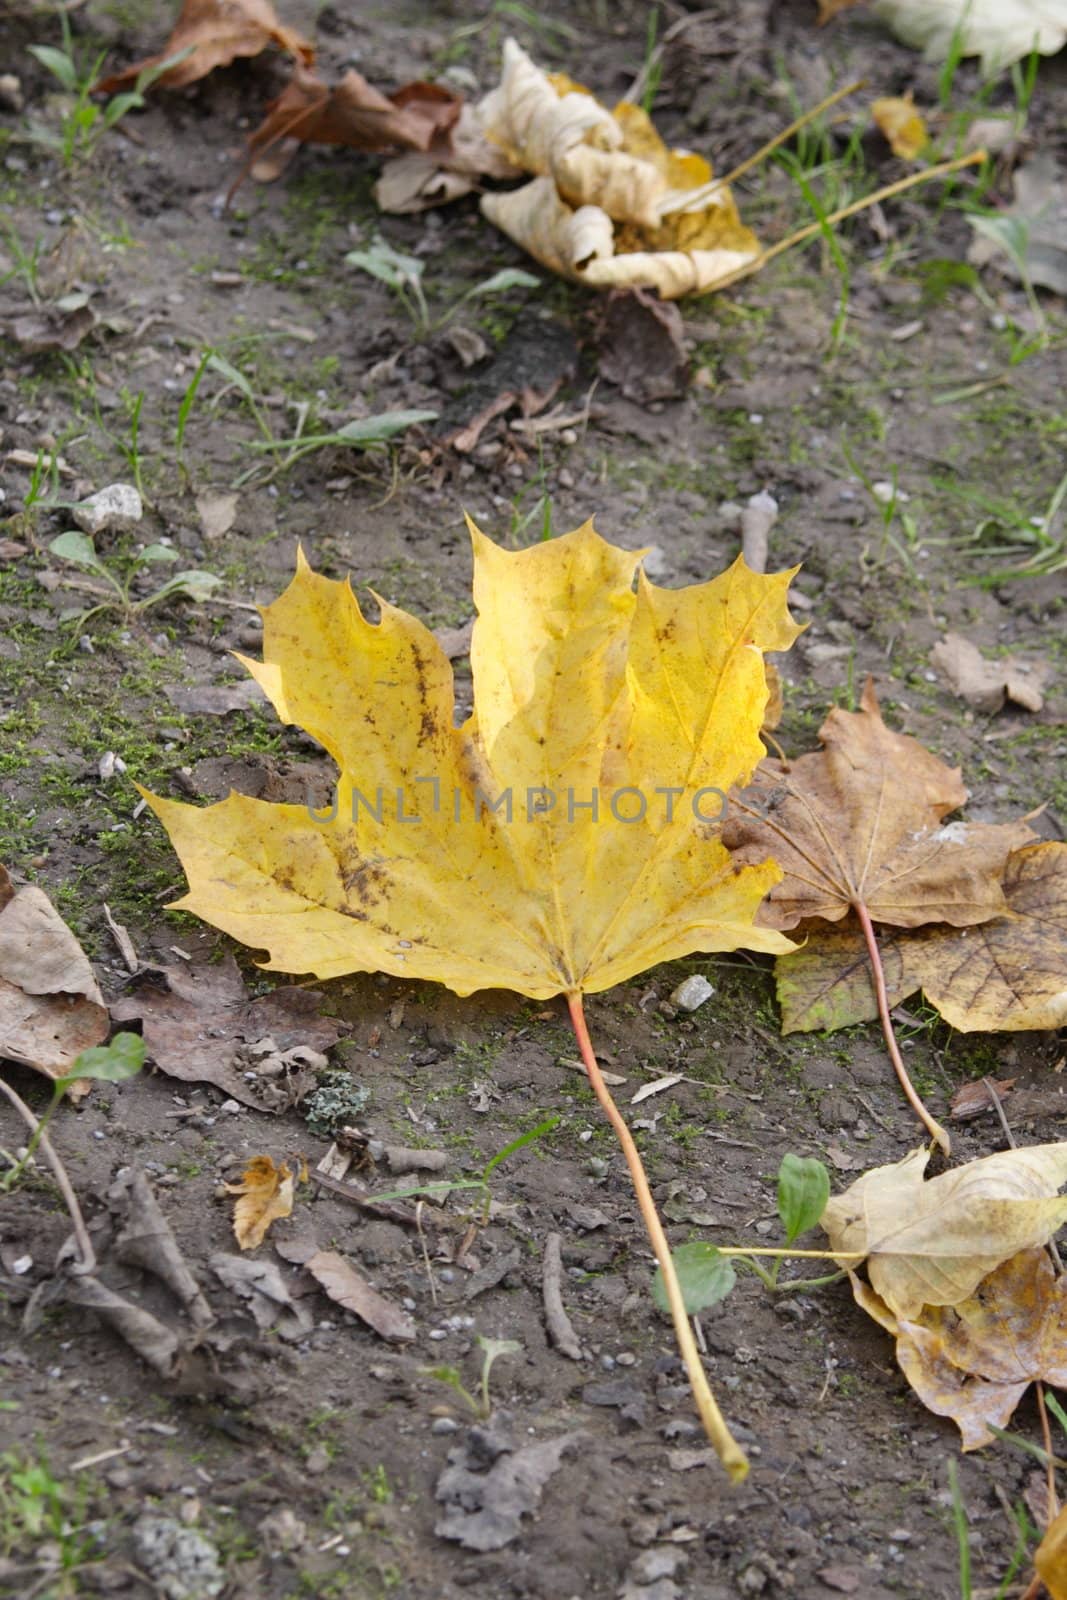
x: 560, y: 1330
x: 374, y: 1208
x: 59, y: 1172
x: 726, y: 1446
x: 1046, y: 1434
x: 940, y: 171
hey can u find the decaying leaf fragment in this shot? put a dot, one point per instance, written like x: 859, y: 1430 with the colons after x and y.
x: 986, y: 685
x: 215, y: 32
x: 591, y: 701
x: 609, y: 205
x: 51, y: 1008
x: 349, y: 1289
x: 201, y: 1026
x: 930, y: 1243
x: 266, y: 1195
x: 1007, y: 975
x: 974, y: 1361
x: 905, y: 131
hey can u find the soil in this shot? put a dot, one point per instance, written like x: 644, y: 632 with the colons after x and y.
x: 308, y: 1466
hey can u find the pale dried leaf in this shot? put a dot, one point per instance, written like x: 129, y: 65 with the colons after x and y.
x: 987, y: 684
x: 931, y: 1243
x: 344, y: 1285
x: 51, y: 1008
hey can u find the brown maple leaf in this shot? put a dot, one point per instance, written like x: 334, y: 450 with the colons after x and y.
x: 860, y: 827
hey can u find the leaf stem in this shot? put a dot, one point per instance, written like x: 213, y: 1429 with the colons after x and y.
x: 59, y: 1171
x: 933, y: 1127
x: 728, y: 1450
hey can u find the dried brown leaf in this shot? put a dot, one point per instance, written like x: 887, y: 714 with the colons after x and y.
x: 344, y: 1285
x: 199, y: 1025
x: 1007, y: 975
x: 861, y: 822
x: 51, y: 1008
x: 355, y: 114
x: 217, y: 32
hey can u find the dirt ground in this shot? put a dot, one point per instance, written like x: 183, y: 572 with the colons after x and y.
x: 307, y: 1465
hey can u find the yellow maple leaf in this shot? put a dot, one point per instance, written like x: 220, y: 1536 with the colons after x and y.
x: 562, y: 840
x: 266, y: 1195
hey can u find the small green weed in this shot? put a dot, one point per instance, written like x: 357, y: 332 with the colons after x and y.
x: 78, y: 549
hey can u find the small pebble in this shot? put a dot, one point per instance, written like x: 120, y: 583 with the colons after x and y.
x: 692, y: 992
x: 438, y: 1333
x: 444, y: 1425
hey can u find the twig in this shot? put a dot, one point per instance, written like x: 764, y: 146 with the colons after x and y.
x: 998, y: 1107
x: 1046, y: 1434
x: 813, y: 228
x: 419, y: 1204
x: 560, y: 1330
x: 384, y: 1209
x: 726, y: 1446
x: 932, y: 1126
x: 59, y: 1172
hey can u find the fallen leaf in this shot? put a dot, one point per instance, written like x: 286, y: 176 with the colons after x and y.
x: 215, y: 32
x: 217, y: 513
x: 610, y: 205
x: 262, y: 1286
x: 51, y: 1008
x: 641, y: 348
x: 930, y: 1243
x: 1050, y: 1558
x: 998, y: 31
x: 349, y: 1289
x: 452, y: 165
x: 200, y: 1026
x: 52, y: 328
x: 154, y: 1342
x: 574, y: 692
x: 1029, y: 237
x: 355, y: 114
x: 903, y: 126
x: 974, y: 1361
x: 986, y: 685
x: 146, y: 1241
x: 971, y: 1099
x: 1007, y: 975
x: 484, y: 1508
x: 861, y: 823
x: 266, y: 1196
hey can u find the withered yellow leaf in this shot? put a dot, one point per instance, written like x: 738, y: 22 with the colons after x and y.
x: 1050, y: 1558
x: 931, y: 1243
x: 861, y: 822
x: 266, y: 1195
x: 611, y: 205
x: 1007, y: 975
x: 564, y: 838
x: 974, y: 1361
x: 903, y: 126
